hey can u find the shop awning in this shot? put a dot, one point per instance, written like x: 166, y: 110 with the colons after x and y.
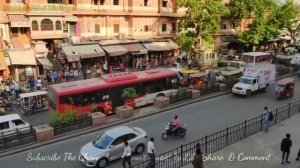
x: 19, y: 21
x: 70, y: 18
x: 161, y: 46
x: 45, y: 62
x: 22, y: 57
x: 135, y: 48
x: 77, y: 52
x: 115, y: 50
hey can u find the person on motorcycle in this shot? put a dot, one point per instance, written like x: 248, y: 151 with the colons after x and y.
x: 176, y: 123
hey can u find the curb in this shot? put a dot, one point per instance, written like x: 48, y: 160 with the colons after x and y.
x: 88, y: 130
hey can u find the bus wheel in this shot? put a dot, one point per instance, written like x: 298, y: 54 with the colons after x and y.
x: 98, y: 109
x: 160, y: 95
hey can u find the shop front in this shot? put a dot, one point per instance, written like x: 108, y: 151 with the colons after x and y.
x: 22, y: 64
x: 161, y: 53
x: 117, y: 58
x: 137, y: 56
x: 41, y: 53
x: 89, y: 58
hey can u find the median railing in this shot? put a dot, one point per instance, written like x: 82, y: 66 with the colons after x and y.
x: 183, y: 154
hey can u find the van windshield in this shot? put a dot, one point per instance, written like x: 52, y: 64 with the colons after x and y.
x: 246, y: 81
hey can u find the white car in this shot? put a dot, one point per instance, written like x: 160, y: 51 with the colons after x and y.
x: 110, y: 146
x: 11, y: 124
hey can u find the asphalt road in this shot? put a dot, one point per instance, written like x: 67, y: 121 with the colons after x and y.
x: 202, y: 118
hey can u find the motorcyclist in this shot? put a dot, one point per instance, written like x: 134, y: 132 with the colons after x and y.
x: 176, y: 124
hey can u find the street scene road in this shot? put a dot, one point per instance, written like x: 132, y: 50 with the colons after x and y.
x: 202, y: 118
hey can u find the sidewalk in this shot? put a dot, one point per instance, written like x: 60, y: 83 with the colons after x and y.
x: 262, y: 144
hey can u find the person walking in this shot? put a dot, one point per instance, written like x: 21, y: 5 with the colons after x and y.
x: 198, y: 160
x: 127, y: 155
x: 39, y: 84
x: 266, y: 119
x: 298, y: 156
x: 286, y: 145
x: 151, y: 153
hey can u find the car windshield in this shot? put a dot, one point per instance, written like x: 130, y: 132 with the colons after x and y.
x: 246, y: 81
x: 103, y: 141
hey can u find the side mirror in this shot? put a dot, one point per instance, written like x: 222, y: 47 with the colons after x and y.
x: 98, y: 136
x: 111, y: 146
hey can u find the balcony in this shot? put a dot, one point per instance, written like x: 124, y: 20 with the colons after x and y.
x: 53, y: 8
x: 15, y: 8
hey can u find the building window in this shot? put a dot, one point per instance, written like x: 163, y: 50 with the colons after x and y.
x: 14, y: 32
x: 146, y: 28
x: 97, y: 28
x: 34, y: 25
x: 145, y: 2
x: 65, y: 26
x: 173, y: 27
x: 58, y: 25
x: 1, y: 32
x: 95, y: 2
x: 46, y: 25
x: 23, y: 30
x: 116, y: 2
x: 164, y: 27
x: 165, y: 3
x: 116, y: 28
x: 55, y: 1
x: 71, y: 1
x: 102, y: 2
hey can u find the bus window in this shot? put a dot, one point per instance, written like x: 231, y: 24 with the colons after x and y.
x: 174, y: 83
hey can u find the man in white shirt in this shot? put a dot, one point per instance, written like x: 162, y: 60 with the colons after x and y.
x: 127, y: 155
x: 151, y: 153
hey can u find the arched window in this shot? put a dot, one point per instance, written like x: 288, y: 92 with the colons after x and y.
x: 58, y: 25
x: 34, y: 25
x: 46, y: 25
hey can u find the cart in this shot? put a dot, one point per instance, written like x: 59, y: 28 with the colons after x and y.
x: 198, y: 80
x: 185, y: 76
x: 285, y: 88
x: 33, y: 102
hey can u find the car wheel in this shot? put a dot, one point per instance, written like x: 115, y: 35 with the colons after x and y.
x: 248, y: 94
x: 102, y: 163
x: 160, y: 95
x: 164, y: 136
x: 140, y: 149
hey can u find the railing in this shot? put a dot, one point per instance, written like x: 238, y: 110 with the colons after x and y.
x: 79, y: 123
x: 180, y: 95
x: 16, y: 137
x: 183, y: 155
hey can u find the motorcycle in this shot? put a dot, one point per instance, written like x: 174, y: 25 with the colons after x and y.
x: 169, y: 132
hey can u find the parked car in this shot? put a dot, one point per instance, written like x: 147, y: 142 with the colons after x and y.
x: 110, y: 146
x: 12, y: 124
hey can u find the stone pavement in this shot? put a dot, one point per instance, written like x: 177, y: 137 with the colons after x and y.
x: 264, y: 145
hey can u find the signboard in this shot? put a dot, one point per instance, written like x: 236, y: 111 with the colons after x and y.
x: 19, y: 24
x: 28, y: 71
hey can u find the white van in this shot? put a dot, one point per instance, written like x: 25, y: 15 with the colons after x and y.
x: 11, y: 124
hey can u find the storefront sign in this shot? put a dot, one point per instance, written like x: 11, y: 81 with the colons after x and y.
x: 51, y: 7
x: 28, y: 71
x: 20, y: 24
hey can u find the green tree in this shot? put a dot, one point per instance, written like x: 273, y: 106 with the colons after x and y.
x: 202, y: 20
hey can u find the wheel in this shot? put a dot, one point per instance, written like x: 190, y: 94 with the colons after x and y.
x: 102, y: 163
x: 164, y: 136
x: 160, y: 95
x: 140, y: 149
x: 248, y: 94
x: 98, y: 109
x: 182, y: 134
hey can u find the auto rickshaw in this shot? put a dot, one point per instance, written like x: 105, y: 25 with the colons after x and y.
x: 33, y: 102
x: 185, y: 76
x: 198, y: 80
x: 285, y: 88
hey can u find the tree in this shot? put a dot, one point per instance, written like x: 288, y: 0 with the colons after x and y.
x: 202, y: 20
x: 269, y: 17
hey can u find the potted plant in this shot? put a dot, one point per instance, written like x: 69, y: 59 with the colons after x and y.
x: 129, y: 94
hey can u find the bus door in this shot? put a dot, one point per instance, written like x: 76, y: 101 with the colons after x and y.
x: 116, y: 97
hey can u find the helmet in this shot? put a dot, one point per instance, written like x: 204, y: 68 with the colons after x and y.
x: 176, y: 117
